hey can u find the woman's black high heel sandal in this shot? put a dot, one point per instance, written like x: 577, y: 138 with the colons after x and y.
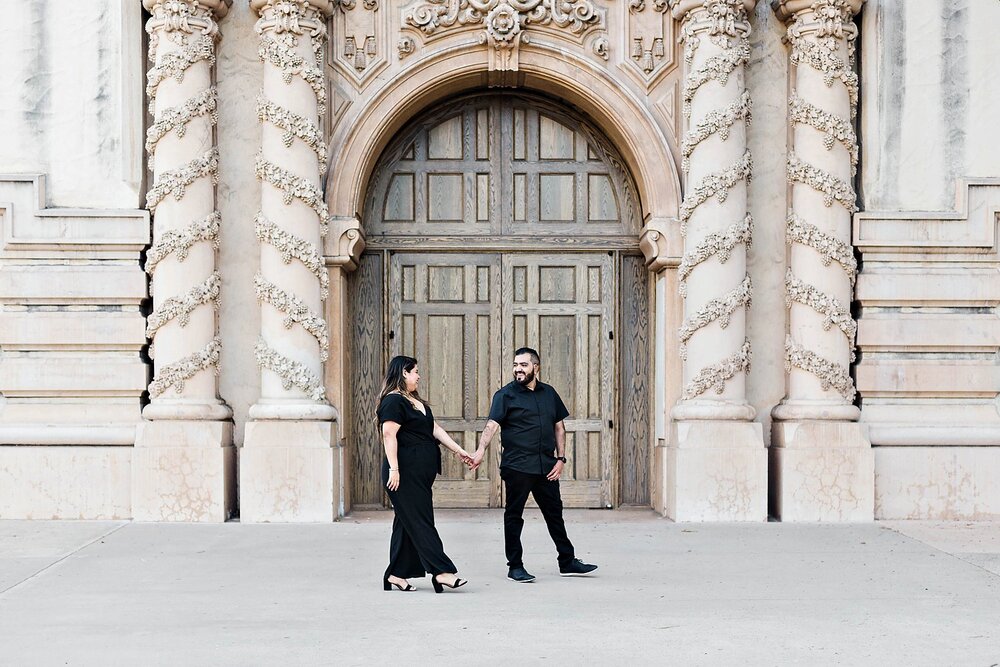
x: 389, y: 585
x: 439, y: 586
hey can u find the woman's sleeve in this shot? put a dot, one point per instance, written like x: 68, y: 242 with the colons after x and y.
x: 391, y: 409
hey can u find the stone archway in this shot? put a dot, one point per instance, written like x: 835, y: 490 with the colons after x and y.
x: 498, y: 220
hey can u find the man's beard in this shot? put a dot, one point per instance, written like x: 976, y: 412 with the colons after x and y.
x: 529, y: 376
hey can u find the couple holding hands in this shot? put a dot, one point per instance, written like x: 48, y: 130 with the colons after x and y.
x: 530, y: 414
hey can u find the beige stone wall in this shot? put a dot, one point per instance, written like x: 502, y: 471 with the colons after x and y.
x: 72, y: 122
x: 927, y: 293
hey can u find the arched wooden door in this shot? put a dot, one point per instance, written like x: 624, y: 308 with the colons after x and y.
x: 494, y: 222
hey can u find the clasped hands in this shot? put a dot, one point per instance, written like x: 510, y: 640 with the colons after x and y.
x: 475, y: 459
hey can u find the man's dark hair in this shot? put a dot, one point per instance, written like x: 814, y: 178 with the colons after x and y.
x: 528, y: 350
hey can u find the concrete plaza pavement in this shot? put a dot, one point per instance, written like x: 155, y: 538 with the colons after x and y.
x: 122, y: 593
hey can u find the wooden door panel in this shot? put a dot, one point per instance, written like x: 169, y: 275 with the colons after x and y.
x: 563, y: 306
x: 443, y: 312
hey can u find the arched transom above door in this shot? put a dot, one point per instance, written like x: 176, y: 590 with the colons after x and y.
x: 501, y: 170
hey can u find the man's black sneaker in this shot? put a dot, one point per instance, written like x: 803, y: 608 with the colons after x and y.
x: 576, y: 568
x: 520, y: 575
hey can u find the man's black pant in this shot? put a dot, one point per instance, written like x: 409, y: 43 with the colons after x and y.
x: 546, y: 493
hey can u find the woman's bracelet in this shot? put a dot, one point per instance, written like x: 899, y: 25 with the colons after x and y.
x: 393, y: 469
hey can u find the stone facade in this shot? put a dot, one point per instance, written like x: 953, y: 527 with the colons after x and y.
x: 182, y: 191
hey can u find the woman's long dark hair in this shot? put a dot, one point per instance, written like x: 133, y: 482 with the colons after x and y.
x: 394, y: 380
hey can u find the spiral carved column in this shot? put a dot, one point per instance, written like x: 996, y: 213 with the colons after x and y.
x: 184, y: 457
x: 816, y: 439
x: 289, y: 442
x: 718, y: 454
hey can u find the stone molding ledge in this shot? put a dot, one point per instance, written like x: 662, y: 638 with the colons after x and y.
x: 971, y: 227
x: 29, y: 225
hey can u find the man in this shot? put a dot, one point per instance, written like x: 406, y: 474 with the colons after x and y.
x: 530, y: 415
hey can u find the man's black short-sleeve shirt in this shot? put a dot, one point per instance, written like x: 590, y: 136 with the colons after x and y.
x: 527, y: 421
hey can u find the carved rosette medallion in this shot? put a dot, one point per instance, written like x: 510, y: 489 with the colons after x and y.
x: 716, y: 225
x: 505, y: 24
x: 181, y: 263
x: 821, y: 34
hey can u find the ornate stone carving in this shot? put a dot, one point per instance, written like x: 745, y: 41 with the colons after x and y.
x: 292, y: 247
x: 718, y: 245
x: 831, y: 249
x: 295, y: 312
x: 182, y: 39
x: 819, y: 34
x: 292, y: 373
x: 830, y: 374
x: 718, y: 121
x: 176, y: 374
x: 295, y: 127
x: 294, y: 187
x: 181, y: 307
x: 832, y: 188
x: 716, y: 309
x: 175, y: 182
x: 650, y: 37
x: 833, y: 312
x: 282, y: 26
x: 716, y: 185
x: 721, y: 27
x: 504, y: 22
x: 178, y: 242
x: 715, y: 376
x: 358, y: 38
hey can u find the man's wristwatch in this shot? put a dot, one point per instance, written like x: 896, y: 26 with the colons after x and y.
x: 561, y: 458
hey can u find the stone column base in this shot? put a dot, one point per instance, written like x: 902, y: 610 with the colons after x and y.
x: 716, y: 471
x: 183, y: 471
x: 291, y: 471
x: 821, y: 471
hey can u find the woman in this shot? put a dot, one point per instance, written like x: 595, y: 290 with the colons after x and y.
x: 412, y: 460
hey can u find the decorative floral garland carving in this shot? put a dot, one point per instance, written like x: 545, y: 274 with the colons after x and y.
x: 180, y: 241
x: 716, y: 309
x: 715, y: 245
x: 294, y: 126
x: 177, y: 118
x: 833, y: 312
x: 429, y: 16
x: 833, y: 127
x: 719, y: 121
x: 725, y: 22
x: 294, y: 187
x: 830, y: 374
x: 295, y: 311
x: 279, y: 36
x: 715, y: 376
x: 291, y: 246
x: 717, y: 68
x: 823, y: 60
x: 278, y: 51
x: 192, y: 29
x: 830, y: 249
x: 175, y: 182
x: 181, y: 307
x: 176, y: 63
x: 716, y: 185
x: 176, y: 374
x: 832, y: 188
x: 816, y: 44
x: 291, y: 372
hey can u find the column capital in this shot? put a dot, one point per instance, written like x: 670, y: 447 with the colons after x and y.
x: 829, y: 14
x: 721, y: 16
x: 186, y: 15
x: 295, y: 16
